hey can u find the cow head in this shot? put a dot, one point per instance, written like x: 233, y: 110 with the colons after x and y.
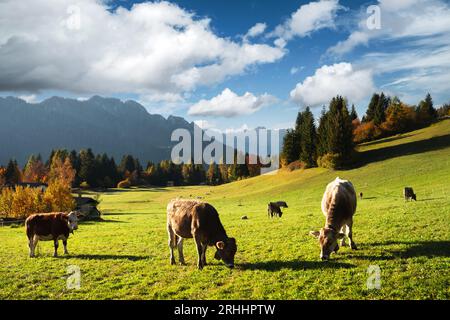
x: 226, y: 251
x: 328, y: 241
x: 414, y: 197
x: 72, y: 220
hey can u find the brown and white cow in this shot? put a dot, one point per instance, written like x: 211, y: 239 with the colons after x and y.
x: 198, y: 220
x: 338, y: 206
x: 50, y: 226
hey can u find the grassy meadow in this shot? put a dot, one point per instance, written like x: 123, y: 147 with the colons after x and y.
x: 127, y: 257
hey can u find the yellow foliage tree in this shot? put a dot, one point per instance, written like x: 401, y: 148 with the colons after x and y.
x: 58, y: 197
x: 62, y: 171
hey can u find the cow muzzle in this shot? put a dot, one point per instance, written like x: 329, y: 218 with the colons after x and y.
x: 230, y: 265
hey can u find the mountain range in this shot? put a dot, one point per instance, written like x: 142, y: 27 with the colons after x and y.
x: 102, y: 124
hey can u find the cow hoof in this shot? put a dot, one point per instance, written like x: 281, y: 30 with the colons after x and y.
x: 182, y: 263
x: 353, y: 246
x: 172, y: 262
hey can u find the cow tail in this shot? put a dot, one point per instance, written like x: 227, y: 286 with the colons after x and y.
x: 28, y: 228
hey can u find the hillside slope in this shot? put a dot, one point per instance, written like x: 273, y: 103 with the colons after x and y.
x: 127, y: 255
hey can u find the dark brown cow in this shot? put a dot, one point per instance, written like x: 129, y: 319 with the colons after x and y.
x: 198, y: 220
x: 274, y: 208
x: 409, y: 194
x: 338, y: 206
x: 50, y: 226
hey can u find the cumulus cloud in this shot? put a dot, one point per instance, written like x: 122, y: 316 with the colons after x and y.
x: 329, y: 81
x: 229, y: 104
x: 308, y: 18
x: 154, y: 48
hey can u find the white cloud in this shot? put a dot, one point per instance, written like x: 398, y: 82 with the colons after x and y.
x: 403, y: 19
x: 256, y: 30
x: 156, y: 49
x: 308, y: 18
x: 329, y: 81
x: 29, y: 98
x: 229, y: 104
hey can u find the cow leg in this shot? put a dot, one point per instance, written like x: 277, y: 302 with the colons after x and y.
x: 172, y: 243
x: 65, y: 246
x: 31, y: 247
x: 350, y: 235
x: 180, y: 250
x: 344, y: 230
x: 204, y: 254
x: 34, y: 243
x: 199, y: 252
x: 55, y: 254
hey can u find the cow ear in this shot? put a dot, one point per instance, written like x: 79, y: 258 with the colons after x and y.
x: 340, y: 235
x: 314, y: 233
x: 220, y: 245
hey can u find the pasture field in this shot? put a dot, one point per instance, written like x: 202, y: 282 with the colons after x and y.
x: 127, y: 257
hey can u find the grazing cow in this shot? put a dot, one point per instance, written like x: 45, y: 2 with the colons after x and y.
x: 198, y: 220
x: 274, y: 208
x: 50, y: 226
x: 409, y: 194
x: 338, y: 206
x: 361, y: 195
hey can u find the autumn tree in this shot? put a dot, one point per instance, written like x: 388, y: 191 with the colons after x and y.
x: 61, y: 170
x: 35, y: 170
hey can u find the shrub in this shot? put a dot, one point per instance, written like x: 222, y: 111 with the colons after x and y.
x: 296, y: 165
x: 329, y: 161
x: 84, y: 185
x: 22, y: 202
x: 6, y: 202
x: 124, y: 184
x: 366, y: 131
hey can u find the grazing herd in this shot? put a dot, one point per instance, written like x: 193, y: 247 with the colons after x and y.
x: 200, y: 220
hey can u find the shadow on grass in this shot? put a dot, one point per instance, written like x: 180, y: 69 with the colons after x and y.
x: 106, y: 257
x: 417, y: 248
x: 88, y: 222
x: 432, y: 144
x: 367, y: 198
x: 140, y: 188
x: 294, y: 265
x: 128, y: 213
x: 402, y: 136
x: 430, y: 199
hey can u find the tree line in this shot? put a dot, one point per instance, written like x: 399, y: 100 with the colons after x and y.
x: 331, y: 144
x: 91, y: 170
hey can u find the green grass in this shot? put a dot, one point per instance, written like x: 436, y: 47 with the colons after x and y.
x: 126, y: 257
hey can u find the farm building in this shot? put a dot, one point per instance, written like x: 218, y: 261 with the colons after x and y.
x: 34, y: 185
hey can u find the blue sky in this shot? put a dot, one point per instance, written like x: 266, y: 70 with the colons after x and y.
x: 231, y: 64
